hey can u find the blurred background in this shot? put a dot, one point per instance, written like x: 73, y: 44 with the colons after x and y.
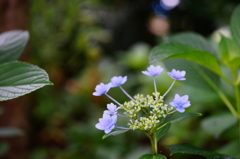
x: 82, y: 43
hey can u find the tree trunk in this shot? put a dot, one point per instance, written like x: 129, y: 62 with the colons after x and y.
x: 14, y: 16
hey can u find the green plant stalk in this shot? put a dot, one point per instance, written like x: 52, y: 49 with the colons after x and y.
x: 162, y: 125
x: 235, y: 78
x: 145, y: 111
x: 238, y: 79
x: 219, y: 92
x: 226, y: 79
x: 153, y: 143
x: 237, y: 98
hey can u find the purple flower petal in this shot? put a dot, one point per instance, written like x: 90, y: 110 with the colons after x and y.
x: 177, y: 75
x: 107, y: 123
x: 153, y: 71
x: 101, y: 89
x: 180, y: 103
x: 118, y: 80
x: 112, y: 109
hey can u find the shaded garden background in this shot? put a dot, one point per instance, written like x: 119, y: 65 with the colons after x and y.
x: 82, y: 43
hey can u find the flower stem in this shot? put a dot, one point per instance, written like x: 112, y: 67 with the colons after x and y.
x: 154, y: 144
x: 145, y: 111
x: 155, y: 87
x: 122, y: 115
x: 238, y: 79
x: 237, y: 98
x: 119, y: 127
x: 126, y: 93
x: 169, y: 88
x: 218, y: 91
x: 172, y: 112
x: 112, y: 99
x: 237, y: 95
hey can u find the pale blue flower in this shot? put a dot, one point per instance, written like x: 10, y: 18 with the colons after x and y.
x: 153, y: 71
x: 102, y: 89
x: 180, y: 103
x: 177, y: 75
x: 118, y: 80
x: 107, y: 123
x: 112, y: 109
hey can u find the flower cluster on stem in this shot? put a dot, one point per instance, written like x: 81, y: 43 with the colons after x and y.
x: 143, y: 112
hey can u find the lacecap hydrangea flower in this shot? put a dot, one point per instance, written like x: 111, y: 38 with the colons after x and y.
x: 177, y: 75
x: 180, y: 103
x: 153, y: 71
x: 107, y: 123
x: 118, y: 81
x: 112, y: 109
x: 101, y: 89
x: 152, y: 106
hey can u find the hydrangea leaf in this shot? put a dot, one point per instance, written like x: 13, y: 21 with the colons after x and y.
x: 191, y: 39
x: 189, y: 149
x: 218, y: 123
x: 19, y: 78
x: 12, y: 44
x: 113, y: 133
x: 150, y: 156
x: 229, y: 53
x: 194, y: 42
x: 235, y: 25
x: 232, y: 148
x: 9, y: 132
x: 162, y: 131
x: 179, y: 117
x: 177, y: 50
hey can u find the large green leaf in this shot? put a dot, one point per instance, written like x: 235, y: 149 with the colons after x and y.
x: 218, y: 123
x: 191, y: 39
x: 12, y: 44
x: 188, y: 149
x: 162, y: 131
x: 235, y: 25
x: 9, y: 132
x: 150, y: 156
x: 177, y: 50
x: 194, y: 42
x: 179, y: 117
x: 18, y: 78
x: 113, y: 133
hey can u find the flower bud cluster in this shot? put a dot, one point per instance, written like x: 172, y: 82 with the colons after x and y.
x: 144, y: 123
x: 145, y: 111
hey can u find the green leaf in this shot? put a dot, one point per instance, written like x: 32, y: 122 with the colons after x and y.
x: 196, y: 42
x: 162, y: 131
x: 218, y: 123
x: 177, y: 50
x: 3, y: 148
x: 9, y: 132
x: 188, y: 149
x: 18, y: 78
x: 235, y: 25
x: 113, y: 133
x: 191, y: 39
x: 223, y: 49
x: 231, y: 148
x: 12, y: 44
x: 179, y: 117
x: 150, y: 156
x: 229, y: 53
